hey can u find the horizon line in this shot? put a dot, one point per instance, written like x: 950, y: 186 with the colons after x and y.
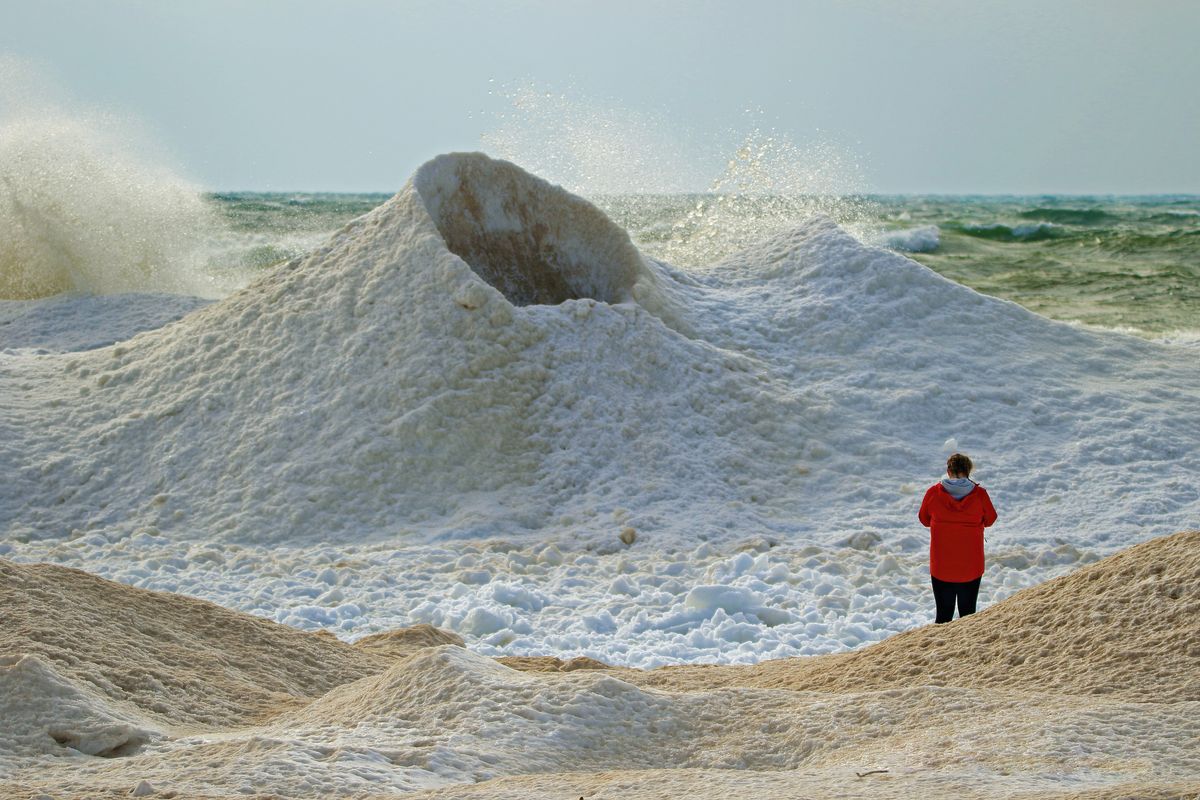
x: 1092, y: 195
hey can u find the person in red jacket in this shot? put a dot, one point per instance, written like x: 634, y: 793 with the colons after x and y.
x: 956, y: 510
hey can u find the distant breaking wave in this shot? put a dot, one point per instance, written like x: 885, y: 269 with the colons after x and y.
x: 999, y: 232
x: 1116, y: 240
x: 1070, y: 216
x: 924, y: 239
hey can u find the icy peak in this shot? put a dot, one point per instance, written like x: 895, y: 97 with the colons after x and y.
x: 535, y: 242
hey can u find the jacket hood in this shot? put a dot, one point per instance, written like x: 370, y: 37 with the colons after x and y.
x: 958, y: 488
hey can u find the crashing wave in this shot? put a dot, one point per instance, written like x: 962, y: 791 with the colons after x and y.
x: 82, y: 214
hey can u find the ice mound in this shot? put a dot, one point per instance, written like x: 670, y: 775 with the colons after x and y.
x: 533, y: 241
x: 44, y: 712
x: 379, y: 385
x: 424, y: 375
x: 407, y: 690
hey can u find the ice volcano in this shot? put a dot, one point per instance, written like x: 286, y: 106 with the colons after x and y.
x: 467, y: 357
x: 487, y: 355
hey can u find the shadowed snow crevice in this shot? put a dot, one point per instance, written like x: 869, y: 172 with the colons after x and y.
x: 535, y: 242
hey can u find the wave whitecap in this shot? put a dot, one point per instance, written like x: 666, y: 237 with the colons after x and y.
x: 1025, y: 232
x: 924, y: 239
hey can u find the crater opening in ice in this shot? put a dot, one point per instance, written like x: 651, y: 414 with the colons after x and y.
x: 535, y: 242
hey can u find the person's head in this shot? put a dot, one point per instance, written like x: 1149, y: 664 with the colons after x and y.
x: 958, y: 466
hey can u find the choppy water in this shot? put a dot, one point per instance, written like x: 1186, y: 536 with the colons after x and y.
x: 1130, y: 263
x: 1119, y: 262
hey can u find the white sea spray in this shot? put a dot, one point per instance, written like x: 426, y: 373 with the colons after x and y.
x: 86, y: 206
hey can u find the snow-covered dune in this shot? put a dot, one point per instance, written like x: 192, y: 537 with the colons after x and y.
x: 1083, y: 684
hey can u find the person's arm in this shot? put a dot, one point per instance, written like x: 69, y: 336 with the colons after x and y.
x: 924, y: 514
x: 989, y: 511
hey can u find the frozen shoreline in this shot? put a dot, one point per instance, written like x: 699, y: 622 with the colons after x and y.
x: 1082, y: 685
x: 451, y: 411
x: 480, y: 408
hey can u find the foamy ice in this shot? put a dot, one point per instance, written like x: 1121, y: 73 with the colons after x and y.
x: 451, y: 411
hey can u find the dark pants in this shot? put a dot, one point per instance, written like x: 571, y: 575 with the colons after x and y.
x: 945, y: 593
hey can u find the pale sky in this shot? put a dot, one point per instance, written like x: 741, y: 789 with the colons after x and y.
x: 1012, y: 96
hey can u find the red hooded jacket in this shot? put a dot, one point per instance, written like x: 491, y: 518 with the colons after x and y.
x: 956, y: 532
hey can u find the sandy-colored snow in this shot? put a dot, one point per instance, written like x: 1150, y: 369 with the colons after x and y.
x: 176, y: 659
x: 1083, y: 686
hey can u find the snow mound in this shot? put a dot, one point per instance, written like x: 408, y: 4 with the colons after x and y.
x: 43, y: 712
x: 486, y: 356
x: 478, y: 718
x: 380, y: 385
x: 173, y: 658
x: 432, y: 682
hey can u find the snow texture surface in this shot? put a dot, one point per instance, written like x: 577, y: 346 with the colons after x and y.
x: 1112, y: 706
